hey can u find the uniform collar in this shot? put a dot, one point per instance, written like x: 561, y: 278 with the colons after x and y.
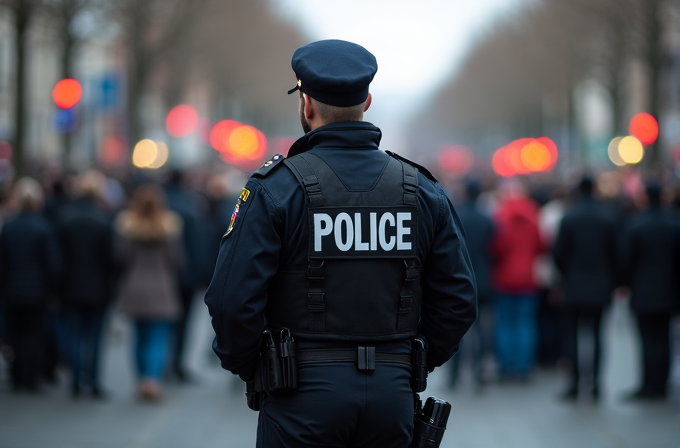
x: 345, y: 134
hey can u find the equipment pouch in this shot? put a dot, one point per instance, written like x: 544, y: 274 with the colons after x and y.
x: 429, y: 423
x: 419, y: 364
x: 288, y: 362
x: 253, y: 398
x: 270, y: 364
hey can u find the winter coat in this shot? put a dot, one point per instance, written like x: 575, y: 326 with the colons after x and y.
x: 150, y: 257
x: 479, y: 230
x: 515, y: 246
x: 29, y: 261
x: 86, y: 239
x: 652, y: 262
x: 586, y: 254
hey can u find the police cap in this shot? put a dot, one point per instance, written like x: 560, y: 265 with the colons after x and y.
x: 334, y: 72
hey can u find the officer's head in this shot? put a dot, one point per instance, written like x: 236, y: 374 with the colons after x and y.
x: 333, y: 78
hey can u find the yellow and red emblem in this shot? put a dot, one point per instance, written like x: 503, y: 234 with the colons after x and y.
x: 243, y: 197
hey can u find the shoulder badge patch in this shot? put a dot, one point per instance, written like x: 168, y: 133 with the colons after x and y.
x: 243, y: 197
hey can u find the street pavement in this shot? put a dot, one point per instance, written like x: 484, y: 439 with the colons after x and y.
x: 211, y: 411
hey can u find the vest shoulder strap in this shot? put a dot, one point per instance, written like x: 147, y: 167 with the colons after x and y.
x: 420, y: 168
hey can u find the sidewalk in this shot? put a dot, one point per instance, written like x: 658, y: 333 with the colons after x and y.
x: 212, y: 412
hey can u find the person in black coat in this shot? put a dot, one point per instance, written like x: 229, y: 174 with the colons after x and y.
x: 86, y: 238
x: 29, y: 269
x: 652, y: 268
x: 479, y: 230
x: 185, y: 203
x: 585, y: 253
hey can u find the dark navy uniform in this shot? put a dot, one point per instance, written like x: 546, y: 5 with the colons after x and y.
x: 268, y: 239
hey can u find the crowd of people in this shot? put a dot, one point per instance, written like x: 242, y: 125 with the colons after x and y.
x: 74, y: 247
x: 551, y: 259
x: 548, y: 259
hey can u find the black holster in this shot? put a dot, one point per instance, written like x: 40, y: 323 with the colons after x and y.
x: 276, y: 370
x: 429, y: 422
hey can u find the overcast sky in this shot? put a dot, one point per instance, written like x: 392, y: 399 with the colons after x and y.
x: 418, y: 45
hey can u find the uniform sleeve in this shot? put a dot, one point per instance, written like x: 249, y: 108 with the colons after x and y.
x: 236, y: 297
x: 450, y: 293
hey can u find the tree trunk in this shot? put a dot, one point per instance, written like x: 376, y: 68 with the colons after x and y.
x: 22, y: 16
x: 654, y: 61
x: 68, y: 44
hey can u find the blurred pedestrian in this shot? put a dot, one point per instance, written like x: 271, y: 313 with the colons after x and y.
x: 550, y: 346
x: 585, y: 253
x: 150, y: 256
x: 479, y: 231
x: 86, y: 240
x: 184, y: 202
x: 516, y: 245
x: 29, y: 269
x: 652, y: 272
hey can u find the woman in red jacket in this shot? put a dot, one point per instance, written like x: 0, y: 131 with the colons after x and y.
x: 516, y: 245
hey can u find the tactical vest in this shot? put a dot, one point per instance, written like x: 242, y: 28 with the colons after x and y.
x: 362, y: 282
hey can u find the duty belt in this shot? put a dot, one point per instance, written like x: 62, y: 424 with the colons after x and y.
x: 365, y: 357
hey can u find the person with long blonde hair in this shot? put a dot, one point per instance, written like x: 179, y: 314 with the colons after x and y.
x: 150, y: 255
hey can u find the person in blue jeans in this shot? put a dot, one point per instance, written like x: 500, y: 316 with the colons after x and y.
x: 150, y: 254
x: 516, y: 334
x: 516, y: 245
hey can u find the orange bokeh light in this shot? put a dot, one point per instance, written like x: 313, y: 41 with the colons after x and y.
x: 552, y: 150
x: 238, y: 144
x: 67, y: 93
x: 181, y: 121
x: 513, y: 156
x: 535, y: 156
x: 525, y: 155
x: 220, y: 132
x: 645, y: 128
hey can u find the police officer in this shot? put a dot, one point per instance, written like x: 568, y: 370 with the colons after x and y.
x: 350, y: 250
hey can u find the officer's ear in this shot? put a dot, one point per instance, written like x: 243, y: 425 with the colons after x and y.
x: 310, y: 107
x: 368, y: 102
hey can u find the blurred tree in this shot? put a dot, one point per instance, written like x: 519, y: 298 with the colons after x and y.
x: 521, y: 76
x: 243, y: 50
x: 65, y: 15
x: 151, y: 29
x: 22, y: 12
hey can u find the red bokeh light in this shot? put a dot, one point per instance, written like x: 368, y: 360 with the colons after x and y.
x: 67, y: 93
x: 181, y: 121
x: 645, y: 128
x: 456, y: 160
x: 220, y: 133
x: 499, y: 164
x: 5, y: 151
x: 111, y: 150
x: 513, y: 156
